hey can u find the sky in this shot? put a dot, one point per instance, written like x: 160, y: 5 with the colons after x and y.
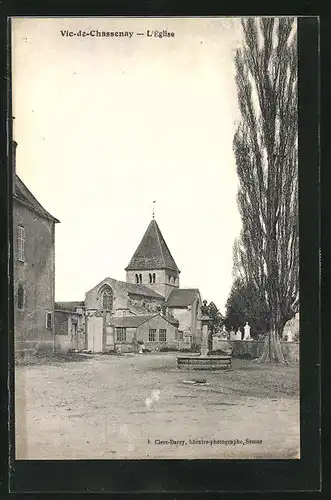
x: 107, y: 125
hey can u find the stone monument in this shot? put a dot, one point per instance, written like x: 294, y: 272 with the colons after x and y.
x: 292, y: 329
x: 205, y: 320
x: 247, y: 332
x: 233, y: 335
x: 224, y: 333
x: 205, y: 360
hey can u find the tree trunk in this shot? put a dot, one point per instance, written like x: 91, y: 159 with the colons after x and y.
x: 272, y: 350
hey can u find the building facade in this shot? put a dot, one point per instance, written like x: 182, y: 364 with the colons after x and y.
x: 34, y: 269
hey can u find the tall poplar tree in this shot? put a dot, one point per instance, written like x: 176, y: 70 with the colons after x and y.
x: 265, y: 147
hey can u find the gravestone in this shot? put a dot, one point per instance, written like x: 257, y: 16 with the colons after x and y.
x: 247, y: 332
x: 238, y: 334
x: 224, y: 333
x: 233, y: 335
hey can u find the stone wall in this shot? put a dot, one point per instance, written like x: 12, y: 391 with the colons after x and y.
x: 36, y: 276
x: 156, y: 346
x: 161, y: 285
x: 144, y: 305
x: 253, y: 349
x: 61, y: 322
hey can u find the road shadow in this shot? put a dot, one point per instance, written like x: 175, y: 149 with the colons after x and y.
x: 43, y: 358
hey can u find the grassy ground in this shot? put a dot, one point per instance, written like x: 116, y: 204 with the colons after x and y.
x: 142, y: 407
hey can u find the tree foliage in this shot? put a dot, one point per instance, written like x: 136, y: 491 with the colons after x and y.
x: 216, y: 317
x: 245, y: 303
x: 265, y: 147
x: 216, y: 322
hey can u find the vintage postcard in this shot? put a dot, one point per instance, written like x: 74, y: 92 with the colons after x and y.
x: 156, y: 241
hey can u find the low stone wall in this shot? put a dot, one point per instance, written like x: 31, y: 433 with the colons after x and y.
x: 254, y: 348
x: 63, y: 343
x: 156, y: 346
x: 32, y: 346
x: 126, y: 347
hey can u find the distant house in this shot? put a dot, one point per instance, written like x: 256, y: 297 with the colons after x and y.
x: 69, y: 324
x: 153, y: 331
x: 34, y: 269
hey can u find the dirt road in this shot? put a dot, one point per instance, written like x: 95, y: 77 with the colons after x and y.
x: 140, y: 407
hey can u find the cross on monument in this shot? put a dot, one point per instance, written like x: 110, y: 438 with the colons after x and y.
x: 154, y: 209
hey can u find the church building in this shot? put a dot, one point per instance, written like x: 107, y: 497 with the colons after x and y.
x: 148, y: 308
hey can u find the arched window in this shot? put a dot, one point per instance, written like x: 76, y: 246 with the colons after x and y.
x: 107, y: 298
x: 150, y: 278
x: 153, y: 277
x: 20, y: 297
x: 137, y: 278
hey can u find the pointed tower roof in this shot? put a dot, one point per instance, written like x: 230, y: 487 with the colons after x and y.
x: 152, y: 252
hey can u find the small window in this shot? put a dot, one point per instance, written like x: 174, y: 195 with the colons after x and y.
x: 49, y: 320
x: 21, y: 238
x: 121, y: 334
x: 180, y: 335
x: 150, y: 278
x: 137, y: 278
x: 140, y: 278
x: 20, y: 297
x: 152, y: 335
x: 153, y: 277
x: 162, y: 335
x: 169, y: 279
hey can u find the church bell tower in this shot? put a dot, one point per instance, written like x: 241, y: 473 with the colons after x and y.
x: 152, y: 264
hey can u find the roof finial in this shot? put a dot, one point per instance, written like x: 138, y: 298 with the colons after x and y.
x: 154, y: 209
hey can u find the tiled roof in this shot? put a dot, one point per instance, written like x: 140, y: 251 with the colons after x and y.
x: 152, y: 252
x: 139, y: 319
x: 171, y: 320
x: 131, y: 288
x: 182, y: 297
x: 130, y: 321
x: 141, y: 290
x: 69, y: 306
x: 22, y: 193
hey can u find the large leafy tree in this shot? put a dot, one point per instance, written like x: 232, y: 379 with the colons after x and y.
x: 245, y: 303
x: 265, y: 147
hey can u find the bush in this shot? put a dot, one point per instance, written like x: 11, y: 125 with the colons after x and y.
x: 168, y: 349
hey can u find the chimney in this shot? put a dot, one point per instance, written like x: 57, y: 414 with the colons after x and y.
x: 13, y: 162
